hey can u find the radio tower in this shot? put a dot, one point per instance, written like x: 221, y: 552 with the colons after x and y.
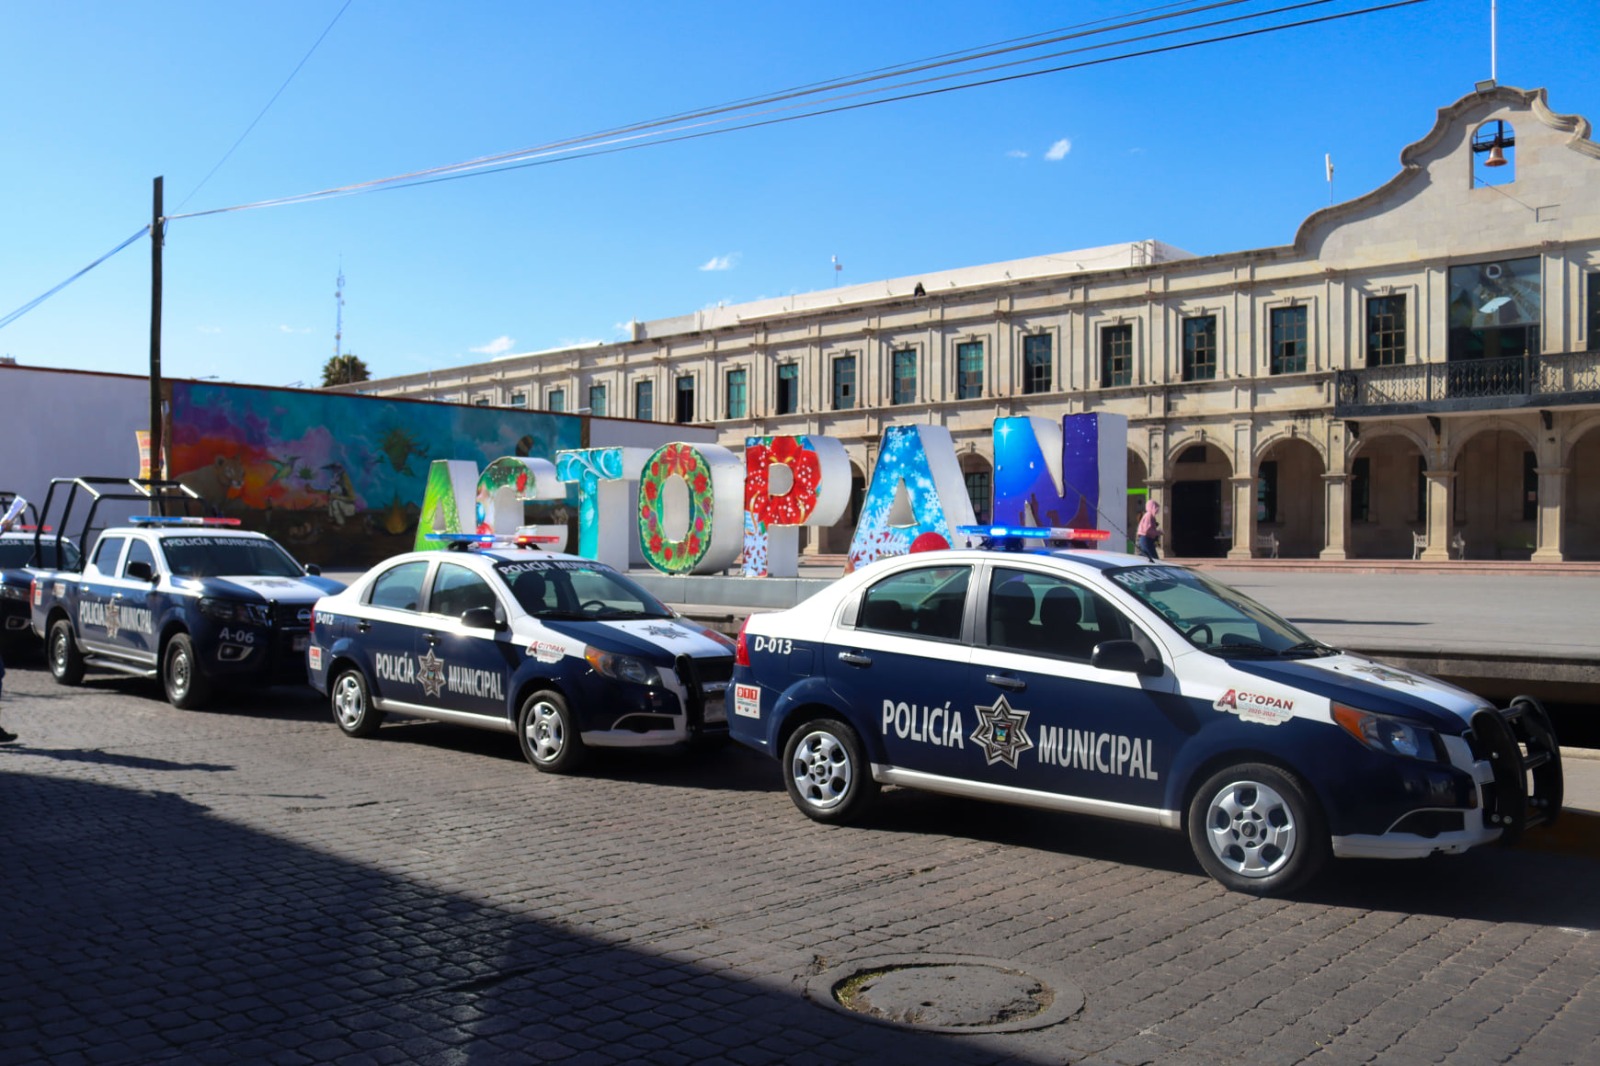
x: 338, y: 314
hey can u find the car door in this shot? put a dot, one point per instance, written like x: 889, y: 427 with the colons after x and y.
x: 132, y: 610
x: 97, y: 621
x: 894, y: 659
x: 1048, y: 720
x: 473, y: 662
x: 385, y: 629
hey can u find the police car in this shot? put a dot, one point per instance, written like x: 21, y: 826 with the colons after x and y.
x: 18, y: 553
x: 1100, y: 683
x: 566, y: 653
x: 191, y: 600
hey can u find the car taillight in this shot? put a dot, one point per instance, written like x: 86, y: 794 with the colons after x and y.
x: 741, y: 650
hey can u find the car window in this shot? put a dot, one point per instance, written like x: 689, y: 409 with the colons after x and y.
x: 575, y: 588
x: 105, y: 555
x: 925, y: 602
x: 1042, y: 614
x: 138, y: 552
x: 457, y: 590
x: 1211, y: 615
x: 399, y: 587
x: 207, y: 556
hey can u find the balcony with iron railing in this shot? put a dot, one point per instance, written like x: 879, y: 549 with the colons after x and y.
x: 1519, y: 381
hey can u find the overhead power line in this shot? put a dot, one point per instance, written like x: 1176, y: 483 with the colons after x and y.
x: 743, y: 116
x: 37, y: 300
x: 891, y: 84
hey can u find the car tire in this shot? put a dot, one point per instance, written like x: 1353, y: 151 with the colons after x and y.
x: 187, y: 687
x: 548, y: 735
x: 826, y: 770
x: 1256, y: 829
x: 66, y: 661
x: 351, y: 699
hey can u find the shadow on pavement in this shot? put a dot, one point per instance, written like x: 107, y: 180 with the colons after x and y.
x: 140, y: 929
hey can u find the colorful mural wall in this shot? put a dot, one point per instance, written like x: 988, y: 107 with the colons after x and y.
x: 338, y: 478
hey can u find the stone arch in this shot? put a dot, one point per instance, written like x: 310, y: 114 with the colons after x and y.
x: 1272, y: 440
x: 1290, y: 499
x: 977, y: 472
x: 1138, y: 493
x: 1386, y: 492
x: 1575, y: 433
x: 835, y: 539
x: 1200, y: 519
x: 1580, y: 511
x: 1492, y: 508
x: 1463, y: 434
x: 1385, y: 430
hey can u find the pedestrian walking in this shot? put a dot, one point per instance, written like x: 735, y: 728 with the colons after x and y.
x: 1150, y: 530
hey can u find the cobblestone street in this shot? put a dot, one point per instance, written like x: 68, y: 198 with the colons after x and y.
x: 247, y: 884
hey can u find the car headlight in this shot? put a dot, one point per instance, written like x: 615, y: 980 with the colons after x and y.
x: 621, y: 667
x: 1392, y: 736
x: 255, y: 614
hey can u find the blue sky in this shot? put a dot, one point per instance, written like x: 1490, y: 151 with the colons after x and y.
x: 1212, y: 149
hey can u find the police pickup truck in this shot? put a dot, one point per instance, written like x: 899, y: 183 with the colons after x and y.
x: 189, y: 600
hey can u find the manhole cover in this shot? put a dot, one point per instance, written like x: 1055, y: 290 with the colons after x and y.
x: 947, y: 993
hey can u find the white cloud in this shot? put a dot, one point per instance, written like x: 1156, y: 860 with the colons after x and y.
x: 721, y: 262
x: 499, y: 346
x: 1016, y: 153
x: 1059, y: 150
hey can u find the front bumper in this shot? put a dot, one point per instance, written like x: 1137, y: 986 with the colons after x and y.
x: 1515, y: 761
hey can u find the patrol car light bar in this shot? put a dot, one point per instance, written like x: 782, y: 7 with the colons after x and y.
x: 491, y: 540
x: 179, y: 520
x: 1034, y: 532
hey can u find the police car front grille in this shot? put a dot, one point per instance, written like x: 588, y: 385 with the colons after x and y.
x: 291, y: 615
x: 717, y: 669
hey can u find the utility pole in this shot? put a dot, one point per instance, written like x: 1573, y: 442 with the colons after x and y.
x: 155, y: 344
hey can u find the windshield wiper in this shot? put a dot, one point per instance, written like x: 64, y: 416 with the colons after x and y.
x: 1314, y: 647
x: 1241, y: 648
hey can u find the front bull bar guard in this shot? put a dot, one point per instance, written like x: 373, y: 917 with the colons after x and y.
x: 1522, y: 751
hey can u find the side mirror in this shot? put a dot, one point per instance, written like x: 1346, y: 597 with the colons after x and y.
x: 139, y: 570
x: 314, y: 570
x: 1124, y: 655
x: 481, y: 618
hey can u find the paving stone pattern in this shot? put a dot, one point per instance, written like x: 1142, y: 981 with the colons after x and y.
x: 247, y: 884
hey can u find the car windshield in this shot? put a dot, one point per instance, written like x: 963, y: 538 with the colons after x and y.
x: 17, y: 553
x: 1212, y: 616
x: 228, y: 556
x: 578, y: 589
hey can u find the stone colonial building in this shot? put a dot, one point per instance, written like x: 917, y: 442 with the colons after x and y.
x: 1418, y: 373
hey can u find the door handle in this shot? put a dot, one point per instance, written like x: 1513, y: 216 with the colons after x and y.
x: 855, y: 658
x: 1015, y: 684
x: 363, y: 625
x: 431, y: 638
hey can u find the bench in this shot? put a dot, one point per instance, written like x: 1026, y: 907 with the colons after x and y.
x: 1267, y: 544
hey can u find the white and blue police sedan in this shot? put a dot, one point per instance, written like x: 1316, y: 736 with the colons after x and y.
x: 566, y: 653
x: 1100, y: 683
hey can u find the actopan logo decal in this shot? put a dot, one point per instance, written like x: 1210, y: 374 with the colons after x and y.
x: 1260, y: 707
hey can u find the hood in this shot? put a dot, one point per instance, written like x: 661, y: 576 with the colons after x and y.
x: 645, y: 637
x: 1371, y: 686
x: 306, y: 589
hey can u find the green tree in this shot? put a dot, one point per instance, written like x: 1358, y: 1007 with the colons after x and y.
x: 345, y: 369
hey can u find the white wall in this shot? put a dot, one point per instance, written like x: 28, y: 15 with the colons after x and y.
x: 67, y: 423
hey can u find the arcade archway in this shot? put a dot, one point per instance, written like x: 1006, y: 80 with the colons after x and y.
x: 1388, y: 496
x: 1200, y: 524
x: 1580, y: 510
x: 1496, y: 495
x: 1290, y: 501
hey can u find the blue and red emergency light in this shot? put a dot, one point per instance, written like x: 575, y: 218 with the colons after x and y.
x: 1010, y: 538
x: 179, y: 520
